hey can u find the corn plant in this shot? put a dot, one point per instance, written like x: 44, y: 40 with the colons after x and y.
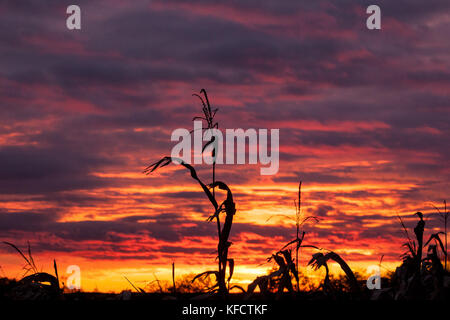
x: 280, y: 279
x: 414, y: 254
x: 35, y: 285
x: 444, y: 216
x: 208, y: 116
x: 411, y: 279
x: 227, y: 206
x: 299, y: 222
x: 433, y: 252
x: 320, y: 260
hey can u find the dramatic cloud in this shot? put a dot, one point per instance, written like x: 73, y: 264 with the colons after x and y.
x: 363, y: 118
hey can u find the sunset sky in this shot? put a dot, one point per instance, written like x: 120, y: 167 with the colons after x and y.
x: 363, y: 118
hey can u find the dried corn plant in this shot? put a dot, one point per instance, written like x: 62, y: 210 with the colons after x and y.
x: 413, y: 256
x: 444, y: 216
x: 280, y: 279
x: 417, y: 277
x: 299, y: 220
x: 37, y: 285
x: 208, y: 117
x: 320, y: 260
x: 227, y: 207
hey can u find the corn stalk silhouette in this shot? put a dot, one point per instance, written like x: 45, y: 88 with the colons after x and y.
x: 222, y: 285
x: 319, y: 260
x: 411, y: 274
x: 299, y: 222
x: 281, y: 278
x: 444, y: 216
x: 208, y: 116
x: 36, y: 279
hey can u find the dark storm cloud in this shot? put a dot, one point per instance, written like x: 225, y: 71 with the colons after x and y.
x: 198, y: 48
x: 42, y: 170
x: 388, y: 138
x: 25, y: 221
x: 413, y: 10
x: 403, y: 9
